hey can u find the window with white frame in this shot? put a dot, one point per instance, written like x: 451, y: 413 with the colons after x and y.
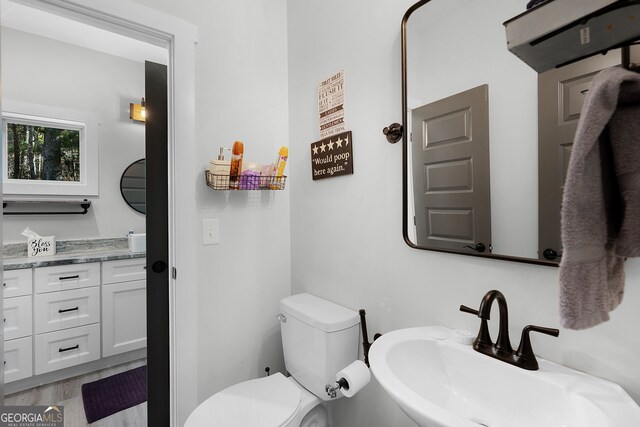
x: 50, y: 153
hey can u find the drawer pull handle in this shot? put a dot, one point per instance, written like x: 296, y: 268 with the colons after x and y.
x: 77, y: 276
x: 75, y: 347
x: 67, y: 310
x: 4, y: 284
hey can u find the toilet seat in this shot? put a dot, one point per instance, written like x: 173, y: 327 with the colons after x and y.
x: 271, y: 401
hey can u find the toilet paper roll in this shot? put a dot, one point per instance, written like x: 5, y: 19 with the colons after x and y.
x: 357, y: 375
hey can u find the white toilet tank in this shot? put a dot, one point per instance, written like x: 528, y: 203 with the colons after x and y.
x: 319, y: 338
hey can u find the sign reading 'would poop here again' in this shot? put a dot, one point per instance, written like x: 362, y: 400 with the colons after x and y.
x: 332, y: 156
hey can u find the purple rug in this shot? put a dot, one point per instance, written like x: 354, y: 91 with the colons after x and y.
x: 115, y: 393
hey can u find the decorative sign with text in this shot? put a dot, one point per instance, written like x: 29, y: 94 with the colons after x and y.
x: 332, y: 156
x: 41, y: 246
x: 331, y: 105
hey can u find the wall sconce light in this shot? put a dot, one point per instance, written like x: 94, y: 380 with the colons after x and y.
x: 138, y: 112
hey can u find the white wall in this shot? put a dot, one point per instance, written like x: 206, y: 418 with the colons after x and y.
x: 38, y: 70
x: 241, y: 94
x: 346, y: 232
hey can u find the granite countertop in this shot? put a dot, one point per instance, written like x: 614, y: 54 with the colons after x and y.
x: 69, y: 252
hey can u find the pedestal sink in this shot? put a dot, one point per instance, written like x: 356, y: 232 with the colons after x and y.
x: 439, y: 382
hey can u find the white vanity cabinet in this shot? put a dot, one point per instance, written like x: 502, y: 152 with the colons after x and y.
x: 124, y: 301
x: 63, y: 316
x: 18, y: 325
x: 67, y: 315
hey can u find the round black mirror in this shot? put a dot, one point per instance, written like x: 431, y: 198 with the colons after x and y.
x: 133, y: 185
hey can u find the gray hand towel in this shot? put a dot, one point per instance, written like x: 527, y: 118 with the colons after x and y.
x: 601, y: 201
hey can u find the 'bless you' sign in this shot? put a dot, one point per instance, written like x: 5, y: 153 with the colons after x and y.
x: 332, y: 156
x: 41, y: 246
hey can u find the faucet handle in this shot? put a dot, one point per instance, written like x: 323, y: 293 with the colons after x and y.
x: 483, y: 338
x: 470, y: 310
x: 548, y: 331
x: 525, y: 352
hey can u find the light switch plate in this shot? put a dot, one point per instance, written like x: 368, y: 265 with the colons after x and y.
x: 210, y: 232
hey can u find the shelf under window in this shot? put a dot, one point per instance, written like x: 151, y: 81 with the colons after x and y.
x: 45, y: 206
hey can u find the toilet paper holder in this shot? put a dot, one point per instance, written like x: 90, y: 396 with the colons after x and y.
x: 351, y: 379
x: 343, y: 383
x: 332, y: 389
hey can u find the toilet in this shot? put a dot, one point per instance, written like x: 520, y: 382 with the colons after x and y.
x: 319, y: 338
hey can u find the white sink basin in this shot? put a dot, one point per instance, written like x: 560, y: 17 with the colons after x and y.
x: 440, y: 383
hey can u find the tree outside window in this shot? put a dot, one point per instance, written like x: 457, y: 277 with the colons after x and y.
x: 42, y: 153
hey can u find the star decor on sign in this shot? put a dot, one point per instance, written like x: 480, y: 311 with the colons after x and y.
x: 330, y: 144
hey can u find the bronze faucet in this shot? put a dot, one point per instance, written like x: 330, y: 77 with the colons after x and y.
x: 502, y: 350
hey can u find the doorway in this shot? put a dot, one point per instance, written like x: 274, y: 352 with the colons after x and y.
x: 142, y: 26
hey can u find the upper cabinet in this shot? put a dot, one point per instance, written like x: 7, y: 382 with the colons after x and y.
x: 559, y: 32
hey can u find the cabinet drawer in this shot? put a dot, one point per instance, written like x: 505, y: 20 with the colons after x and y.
x: 17, y: 317
x: 64, y: 277
x: 124, y: 317
x: 18, y: 358
x: 67, y: 309
x: 17, y: 283
x: 124, y: 270
x: 69, y: 347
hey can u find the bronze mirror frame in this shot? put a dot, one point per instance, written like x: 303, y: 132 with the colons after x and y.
x: 395, y: 132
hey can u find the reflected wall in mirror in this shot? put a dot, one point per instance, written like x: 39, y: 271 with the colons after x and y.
x: 453, y: 46
x: 133, y: 184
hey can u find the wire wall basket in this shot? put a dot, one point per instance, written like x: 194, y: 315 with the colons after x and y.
x: 245, y: 182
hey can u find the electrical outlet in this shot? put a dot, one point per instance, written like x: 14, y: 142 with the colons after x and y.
x: 210, y: 232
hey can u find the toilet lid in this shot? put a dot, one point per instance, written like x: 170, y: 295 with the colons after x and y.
x: 265, y: 402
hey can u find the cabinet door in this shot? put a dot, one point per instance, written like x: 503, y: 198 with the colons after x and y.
x: 64, y: 277
x: 17, y: 283
x: 17, y: 317
x: 18, y: 359
x: 60, y: 310
x: 124, y: 270
x: 124, y: 317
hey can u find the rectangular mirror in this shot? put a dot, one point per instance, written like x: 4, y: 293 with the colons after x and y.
x: 454, y: 46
